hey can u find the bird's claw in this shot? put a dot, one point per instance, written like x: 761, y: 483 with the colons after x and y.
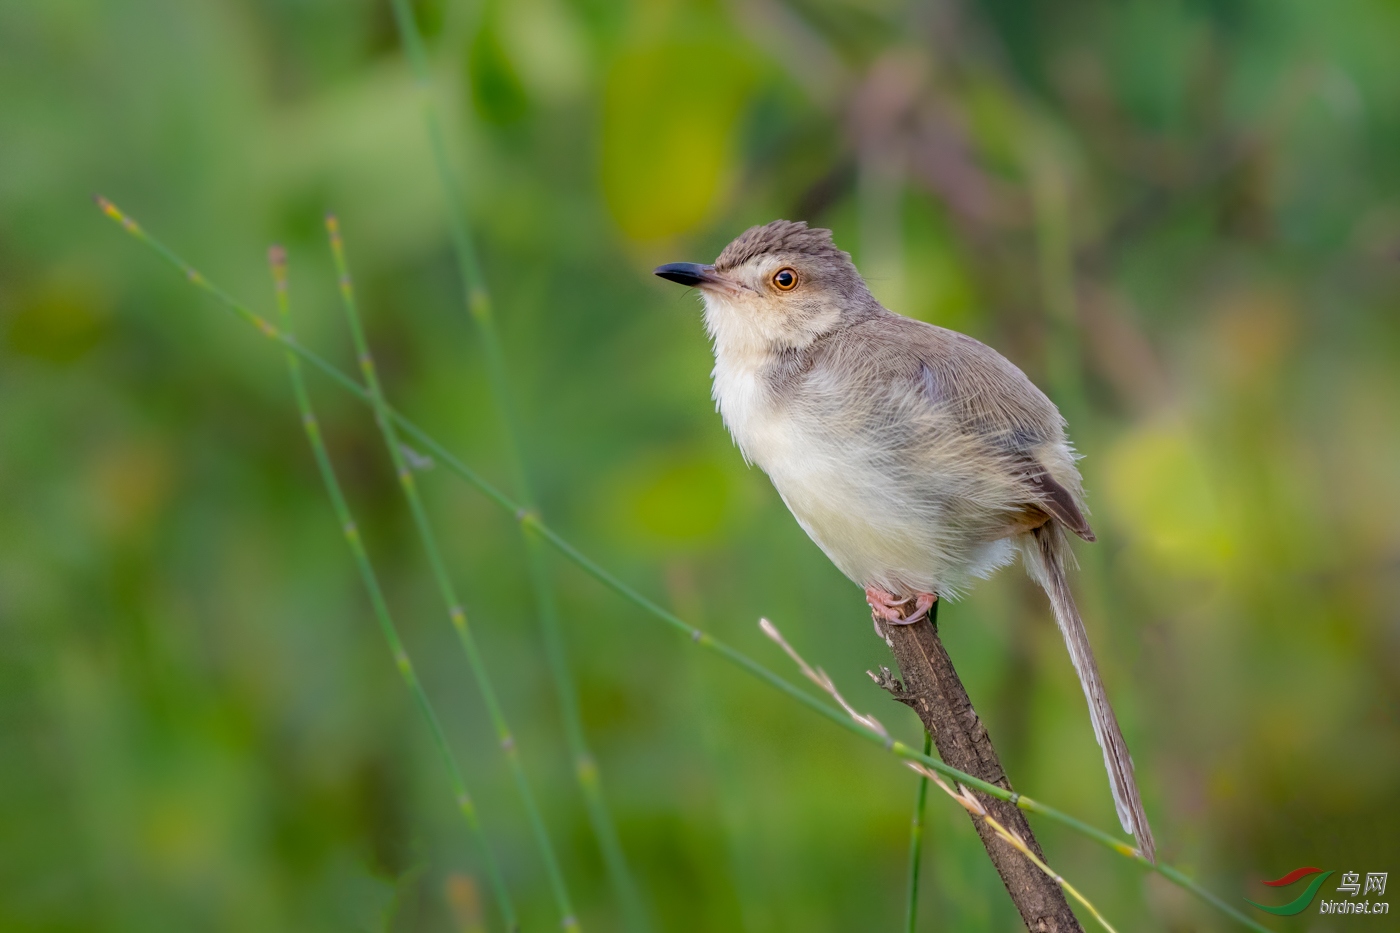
x: 889, y: 608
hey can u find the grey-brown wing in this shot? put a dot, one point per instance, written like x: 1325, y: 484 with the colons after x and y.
x: 1057, y: 501
x: 994, y: 399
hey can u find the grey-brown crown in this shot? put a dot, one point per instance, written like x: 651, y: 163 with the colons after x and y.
x: 781, y: 236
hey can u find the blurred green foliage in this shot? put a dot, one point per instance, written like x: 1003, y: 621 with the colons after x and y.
x: 1179, y: 217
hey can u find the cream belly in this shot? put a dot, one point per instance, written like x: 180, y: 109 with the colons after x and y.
x: 871, y: 523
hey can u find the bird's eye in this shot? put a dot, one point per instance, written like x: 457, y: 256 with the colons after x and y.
x: 785, y: 279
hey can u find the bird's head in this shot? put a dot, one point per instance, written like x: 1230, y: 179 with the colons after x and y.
x: 776, y: 287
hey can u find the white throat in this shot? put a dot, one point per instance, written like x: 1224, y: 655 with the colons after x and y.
x: 736, y: 331
x: 747, y: 339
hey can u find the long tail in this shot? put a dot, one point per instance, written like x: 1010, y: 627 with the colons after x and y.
x: 1045, y: 561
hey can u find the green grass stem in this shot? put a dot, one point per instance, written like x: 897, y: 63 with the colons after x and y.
x: 455, y: 611
x: 697, y: 636
x: 481, y: 310
x: 277, y: 258
x: 916, y: 842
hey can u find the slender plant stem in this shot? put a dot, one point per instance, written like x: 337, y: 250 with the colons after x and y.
x: 456, y: 613
x: 593, y: 569
x: 916, y: 842
x: 481, y: 310
x: 277, y: 258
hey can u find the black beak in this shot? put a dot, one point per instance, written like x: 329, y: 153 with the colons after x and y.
x: 687, y: 273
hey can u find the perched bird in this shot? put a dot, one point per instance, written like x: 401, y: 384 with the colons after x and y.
x: 916, y: 457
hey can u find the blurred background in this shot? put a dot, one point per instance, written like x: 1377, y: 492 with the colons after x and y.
x: 1179, y: 218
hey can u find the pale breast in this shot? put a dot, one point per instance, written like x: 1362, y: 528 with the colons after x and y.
x: 881, y: 520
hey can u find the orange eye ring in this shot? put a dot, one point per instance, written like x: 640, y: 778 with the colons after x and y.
x: 785, y: 279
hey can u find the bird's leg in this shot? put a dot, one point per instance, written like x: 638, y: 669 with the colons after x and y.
x: 884, y: 605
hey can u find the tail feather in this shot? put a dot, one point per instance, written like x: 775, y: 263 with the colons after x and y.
x: 1045, y: 561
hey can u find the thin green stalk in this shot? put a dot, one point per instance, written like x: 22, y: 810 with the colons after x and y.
x: 456, y: 613
x: 277, y: 258
x: 593, y: 569
x: 916, y: 842
x: 480, y: 308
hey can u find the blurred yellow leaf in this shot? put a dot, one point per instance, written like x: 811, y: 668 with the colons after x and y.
x: 130, y: 482
x: 1160, y: 487
x: 60, y: 319
x: 669, y: 117
x: 465, y: 901
x: 1255, y: 330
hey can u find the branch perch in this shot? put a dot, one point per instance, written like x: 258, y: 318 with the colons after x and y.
x: 932, y: 689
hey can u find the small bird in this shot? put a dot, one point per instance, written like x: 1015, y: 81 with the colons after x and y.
x: 917, y: 458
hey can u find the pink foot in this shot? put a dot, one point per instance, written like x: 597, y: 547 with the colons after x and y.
x: 886, y: 606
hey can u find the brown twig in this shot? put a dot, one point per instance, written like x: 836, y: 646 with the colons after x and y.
x: 1016, y: 837
x: 932, y: 688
